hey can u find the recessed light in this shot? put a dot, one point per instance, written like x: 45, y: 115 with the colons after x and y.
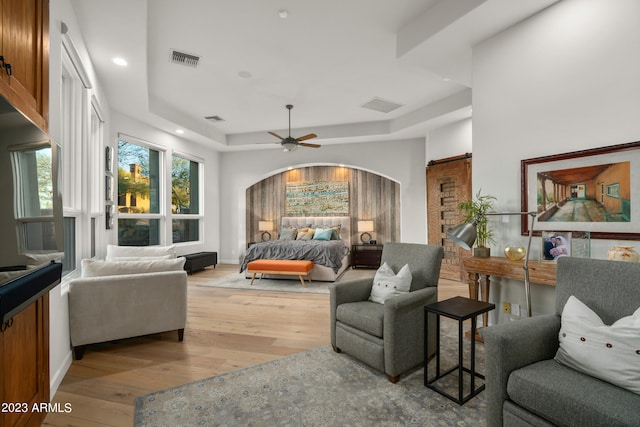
x: 283, y: 13
x: 120, y: 61
x: 179, y: 131
x: 244, y: 74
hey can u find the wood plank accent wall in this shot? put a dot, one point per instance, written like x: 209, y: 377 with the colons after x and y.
x: 371, y: 197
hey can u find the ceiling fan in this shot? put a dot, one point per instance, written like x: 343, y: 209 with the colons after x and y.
x: 289, y: 143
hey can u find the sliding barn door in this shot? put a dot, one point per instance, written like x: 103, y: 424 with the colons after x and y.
x: 448, y: 183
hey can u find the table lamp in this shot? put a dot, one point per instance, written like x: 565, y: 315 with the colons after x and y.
x: 265, y: 227
x: 365, y: 227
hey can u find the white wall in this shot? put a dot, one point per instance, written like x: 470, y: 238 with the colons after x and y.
x: 450, y: 140
x: 563, y: 80
x: 402, y: 161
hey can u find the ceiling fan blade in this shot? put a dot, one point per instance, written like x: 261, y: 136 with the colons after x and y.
x: 304, y: 138
x: 306, y: 144
x: 275, y: 134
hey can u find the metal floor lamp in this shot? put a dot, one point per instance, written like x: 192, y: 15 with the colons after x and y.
x: 464, y: 235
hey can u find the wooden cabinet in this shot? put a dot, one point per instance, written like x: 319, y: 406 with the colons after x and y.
x: 24, y: 363
x: 366, y: 256
x: 24, y: 338
x: 24, y: 47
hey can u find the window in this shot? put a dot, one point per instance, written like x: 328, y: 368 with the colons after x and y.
x: 69, y: 261
x: 80, y: 139
x: 34, y: 197
x: 139, y: 196
x: 185, y: 199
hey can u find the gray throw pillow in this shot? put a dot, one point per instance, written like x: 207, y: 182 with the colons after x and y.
x: 288, y: 234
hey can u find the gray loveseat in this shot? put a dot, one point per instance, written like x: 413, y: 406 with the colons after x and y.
x: 137, y: 291
x: 525, y: 386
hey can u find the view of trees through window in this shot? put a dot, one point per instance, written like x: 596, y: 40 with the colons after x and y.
x: 138, y: 179
x: 184, y: 199
x: 45, y: 179
x: 181, y: 185
x: 36, y: 197
x: 138, y: 195
x: 140, y: 217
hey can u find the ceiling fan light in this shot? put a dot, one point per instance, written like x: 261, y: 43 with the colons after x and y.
x: 289, y: 146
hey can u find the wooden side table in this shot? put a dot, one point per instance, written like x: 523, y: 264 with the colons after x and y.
x: 480, y: 270
x: 460, y: 309
x: 366, y: 256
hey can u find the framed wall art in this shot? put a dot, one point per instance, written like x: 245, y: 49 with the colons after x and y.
x: 595, y: 190
x: 108, y: 159
x: 317, y: 198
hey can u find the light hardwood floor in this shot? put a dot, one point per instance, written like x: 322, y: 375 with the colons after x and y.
x: 226, y: 329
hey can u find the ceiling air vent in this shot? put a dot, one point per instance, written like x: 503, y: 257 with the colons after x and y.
x: 214, y: 118
x: 382, y: 105
x: 186, y: 59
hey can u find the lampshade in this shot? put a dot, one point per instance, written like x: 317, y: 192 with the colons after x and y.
x: 265, y: 225
x: 365, y: 226
x: 464, y: 235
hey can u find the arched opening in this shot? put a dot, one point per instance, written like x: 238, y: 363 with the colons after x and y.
x: 371, y: 197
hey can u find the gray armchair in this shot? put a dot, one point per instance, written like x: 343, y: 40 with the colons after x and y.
x: 390, y: 336
x: 525, y: 386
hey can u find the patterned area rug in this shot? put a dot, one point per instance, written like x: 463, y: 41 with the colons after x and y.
x: 238, y: 281
x: 316, y: 388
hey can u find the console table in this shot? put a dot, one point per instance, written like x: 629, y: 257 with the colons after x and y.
x: 480, y: 270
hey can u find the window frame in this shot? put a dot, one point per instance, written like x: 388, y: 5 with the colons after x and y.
x: 190, y: 216
x: 162, y: 212
x: 80, y: 197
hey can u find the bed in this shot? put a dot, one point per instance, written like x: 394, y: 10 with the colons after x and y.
x: 331, y: 257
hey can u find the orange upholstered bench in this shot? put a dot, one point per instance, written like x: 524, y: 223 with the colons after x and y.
x: 291, y: 267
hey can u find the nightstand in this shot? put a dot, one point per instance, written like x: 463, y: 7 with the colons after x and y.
x: 366, y: 256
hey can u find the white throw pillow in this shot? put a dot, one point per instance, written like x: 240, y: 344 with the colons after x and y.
x: 610, y: 353
x: 39, y: 258
x: 387, y: 284
x: 140, y: 258
x: 114, y: 251
x: 97, y: 268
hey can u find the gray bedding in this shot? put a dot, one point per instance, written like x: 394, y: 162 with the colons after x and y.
x: 323, y: 252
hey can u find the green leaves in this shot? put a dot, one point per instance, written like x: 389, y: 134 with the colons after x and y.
x: 476, y: 207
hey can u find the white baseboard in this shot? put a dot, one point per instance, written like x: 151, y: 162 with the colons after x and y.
x: 56, y: 379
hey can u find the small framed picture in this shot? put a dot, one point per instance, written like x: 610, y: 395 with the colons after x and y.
x: 555, y: 244
x: 108, y: 188
x: 108, y: 159
x: 108, y: 216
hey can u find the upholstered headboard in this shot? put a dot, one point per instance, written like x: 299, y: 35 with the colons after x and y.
x: 303, y: 221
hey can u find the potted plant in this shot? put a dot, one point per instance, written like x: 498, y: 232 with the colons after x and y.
x: 474, y: 208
